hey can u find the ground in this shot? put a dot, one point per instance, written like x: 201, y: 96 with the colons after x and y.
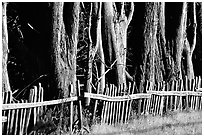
x: 174, y: 123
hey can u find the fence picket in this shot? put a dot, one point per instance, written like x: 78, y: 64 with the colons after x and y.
x: 127, y: 106
x: 71, y: 110
x: 106, y: 104
x: 118, y: 106
x: 130, y: 106
x: 114, y: 106
x: 16, y: 121
x: 111, y: 105
x: 104, y: 111
x: 96, y: 104
x: 9, y: 112
x: 123, y: 105
x: 80, y: 106
x: 162, y: 99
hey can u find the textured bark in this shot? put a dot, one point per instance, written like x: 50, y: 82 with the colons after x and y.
x: 150, y: 42
x: 100, y: 48
x: 58, y: 52
x: 64, y: 45
x: 71, y: 26
x: 5, y: 79
x: 116, y: 23
x: 180, y: 38
x: 189, y: 48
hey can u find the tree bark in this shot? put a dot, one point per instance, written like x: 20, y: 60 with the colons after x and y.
x: 71, y: 20
x: 150, y: 43
x: 116, y: 23
x: 180, y: 38
x: 5, y: 79
x: 64, y: 46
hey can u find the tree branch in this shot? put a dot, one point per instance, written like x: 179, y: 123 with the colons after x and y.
x: 195, y: 28
x: 122, y: 11
x: 129, y: 17
x: 128, y: 76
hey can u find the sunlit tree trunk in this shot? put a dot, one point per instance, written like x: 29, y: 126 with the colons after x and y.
x: 5, y: 79
x: 95, y: 47
x: 116, y: 22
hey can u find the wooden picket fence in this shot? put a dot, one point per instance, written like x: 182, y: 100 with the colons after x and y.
x: 113, y: 106
x: 172, y: 96
x: 117, y: 102
x: 16, y: 116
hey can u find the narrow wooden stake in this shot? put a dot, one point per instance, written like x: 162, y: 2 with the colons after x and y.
x: 24, y: 118
x: 130, y: 107
x: 156, y: 99
x: 42, y: 98
x: 106, y: 105
x: 12, y: 121
x: 96, y: 103
x: 9, y: 96
x: 118, y: 108
x: 111, y: 104
x: 114, y: 106
x: 21, y: 120
x: 31, y: 99
x: 172, y: 89
x: 35, y: 109
x: 162, y: 100
x: 123, y: 106
x: 16, y: 121
x: 127, y: 106
x: 149, y: 99
x: 5, y: 100
x: 104, y: 111
x: 71, y: 109
x: 80, y: 106
x: 176, y: 98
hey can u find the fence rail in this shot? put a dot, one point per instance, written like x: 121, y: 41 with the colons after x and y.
x: 37, y: 104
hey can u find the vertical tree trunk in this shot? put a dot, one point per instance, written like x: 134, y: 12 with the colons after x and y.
x: 116, y: 23
x: 95, y: 46
x: 58, y: 50
x: 71, y: 20
x: 64, y: 46
x: 5, y: 79
x: 100, y: 49
x: 180, y: 38
x: 150, y: 42
x: 189, y: 49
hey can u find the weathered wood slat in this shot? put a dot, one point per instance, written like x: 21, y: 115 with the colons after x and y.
x: 80, y: 106
x: 175, y: 93
x: 37, y: 104
x: 118, y: 98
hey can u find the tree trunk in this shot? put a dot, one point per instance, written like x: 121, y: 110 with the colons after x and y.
x: 95, y: 46
x: 5, y: 79
x: 189, y: 49
x: 150, y: 43
x: 71, y: 20
x: 116, y: 23
x: 180, y: 38
x: 64, y: 46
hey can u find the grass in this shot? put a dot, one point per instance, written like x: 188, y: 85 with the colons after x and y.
x: 174, y: 123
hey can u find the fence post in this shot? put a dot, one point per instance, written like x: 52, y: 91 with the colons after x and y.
x: 96, y: 103
x: 80, y: 106
x: 132, y: 92
x: 71, y: 109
